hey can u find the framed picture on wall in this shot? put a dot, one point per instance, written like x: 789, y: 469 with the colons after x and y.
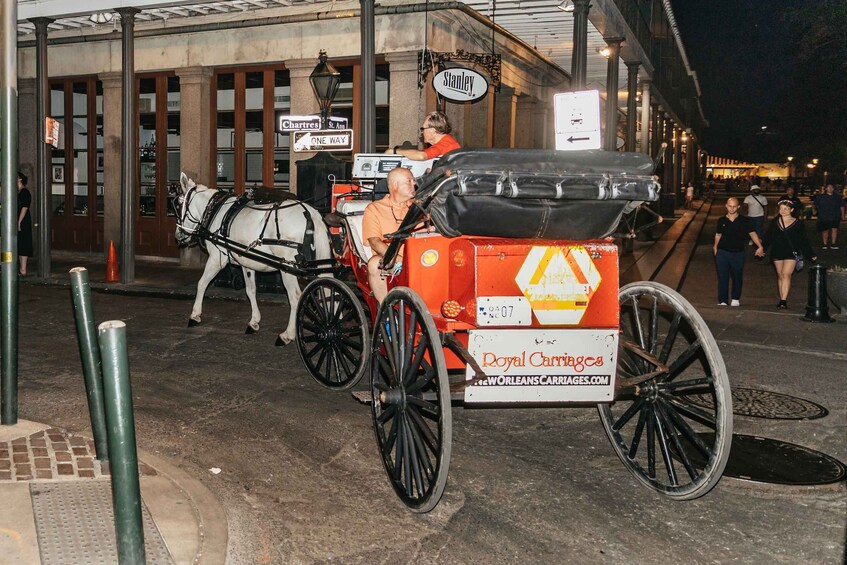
x: 58, y: 173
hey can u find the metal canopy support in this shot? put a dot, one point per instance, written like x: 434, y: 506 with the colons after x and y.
x: 579, y: 58
x: 367, y: 129
x: 614, y: 44
x: 43, y: 184
x: 8, y: 216
x: 631, y: 104
x: 128, y: 156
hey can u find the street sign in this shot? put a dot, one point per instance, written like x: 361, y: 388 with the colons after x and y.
x: 286, y: 123
x: 322, y: 140
x: 577, y: 116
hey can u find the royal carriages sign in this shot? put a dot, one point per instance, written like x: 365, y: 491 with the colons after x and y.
x: 460, y: 85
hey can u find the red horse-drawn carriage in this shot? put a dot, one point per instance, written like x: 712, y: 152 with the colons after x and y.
x: 509, y: 295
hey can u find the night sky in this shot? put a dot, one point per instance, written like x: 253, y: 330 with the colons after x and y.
x: 775, y: 63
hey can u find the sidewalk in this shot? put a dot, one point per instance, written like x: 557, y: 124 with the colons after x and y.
x: 57, y: 504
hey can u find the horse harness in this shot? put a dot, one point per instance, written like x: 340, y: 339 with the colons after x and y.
x: 282, y: 200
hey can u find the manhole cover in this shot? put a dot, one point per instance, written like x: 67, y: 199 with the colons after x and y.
x: 764, y: 404
x: 765, y: 460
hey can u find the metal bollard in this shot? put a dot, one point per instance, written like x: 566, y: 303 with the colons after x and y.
x: 89, y: 353
x: 817, y: 309
x: 126, y: 492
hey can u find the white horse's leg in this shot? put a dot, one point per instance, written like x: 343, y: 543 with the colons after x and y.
x: 214, y: 264
x: 292, y: 288
x: 250, y: 289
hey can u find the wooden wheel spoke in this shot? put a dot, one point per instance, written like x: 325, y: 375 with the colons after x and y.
x: 677, y: 445
x: 661, y: 433
x: 686, y: 430
x: 423, y: 380
x: 352, y: 344
x: 310, y: 326
x: 693, y: 412
x: 636, y: 436
x: 345, y: 351
x: 399, y: 450
x: 407, y: 460
x: 673, y: 330
x: 414, y: 460
x: 630, y: 412
x: 636, y: 315
x: 702, y: 383
x: 654, y: 326
x: 684, y: 360
x: 400, y: 339
x: 415, y: 363
x: 391, y: 436
x: 342, y: 359
x: 425, y: 431
x: 387, y: 413
x: 386, y: 371
x: 427, y: 409
x: 651, y: 444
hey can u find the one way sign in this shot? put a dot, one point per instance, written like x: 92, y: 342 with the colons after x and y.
x: 322, y: 140
x: 577, y: 120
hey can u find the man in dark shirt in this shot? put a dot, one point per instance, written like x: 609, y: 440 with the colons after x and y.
x: 830, y: 209
x: 731, y: 237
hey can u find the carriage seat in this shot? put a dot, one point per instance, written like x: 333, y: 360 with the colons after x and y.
x: 354, y: 211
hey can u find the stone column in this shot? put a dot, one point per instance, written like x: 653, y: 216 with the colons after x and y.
x: 303, y: 102
x: 505, y: 103
x: 658, y: 134
x: 406, y: 102
x: 195, y: 143
x: 611, y: 129
x: 645, y: 116
x: 42, y: 181
x: 479, y: 121
x: 631, y: 104
x: 524, y: 123
x: 541, y: 126
x: 111, y: 157
x: 677, y: 165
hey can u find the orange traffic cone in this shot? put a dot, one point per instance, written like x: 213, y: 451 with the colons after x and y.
x: 112, y: 274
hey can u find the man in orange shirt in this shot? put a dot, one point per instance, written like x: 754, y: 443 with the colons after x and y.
x: 382, y: 217
x: 435, y: 132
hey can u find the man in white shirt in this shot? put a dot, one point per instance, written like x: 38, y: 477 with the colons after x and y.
x: 757, y: 208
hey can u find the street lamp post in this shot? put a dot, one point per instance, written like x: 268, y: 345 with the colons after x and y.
x: 325, y: 80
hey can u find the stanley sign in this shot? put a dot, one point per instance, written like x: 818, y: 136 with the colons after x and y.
x: 460, y: 85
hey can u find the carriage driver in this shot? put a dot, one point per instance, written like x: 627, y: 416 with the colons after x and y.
x: 435, y: 133
x: 382, y: 217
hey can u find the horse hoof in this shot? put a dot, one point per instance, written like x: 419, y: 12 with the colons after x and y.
x: 250, y: 330
x: 192, y: 322
x: 279, y: 342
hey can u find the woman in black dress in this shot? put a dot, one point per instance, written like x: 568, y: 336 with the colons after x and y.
x: 786, y: 236
x: 24, y: 223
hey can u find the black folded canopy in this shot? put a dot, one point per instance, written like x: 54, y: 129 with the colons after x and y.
x: 525, y: 193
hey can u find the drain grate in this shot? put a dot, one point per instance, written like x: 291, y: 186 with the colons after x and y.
x: 75, y: 524
x: 765, y: 404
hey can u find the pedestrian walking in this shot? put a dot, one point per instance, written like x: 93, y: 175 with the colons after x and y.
x: 789, y: 247
x: 791, y: 195
x: 689, y: 196
x: 25, y: 248
x: 831, y: 210
x: 756, y: 209
x: 733, y: 230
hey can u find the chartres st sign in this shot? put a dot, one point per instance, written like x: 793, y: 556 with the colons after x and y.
x: 460, y: 84
x: 286, y: 123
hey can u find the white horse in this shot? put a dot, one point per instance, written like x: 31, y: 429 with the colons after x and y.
x: 199, y: 204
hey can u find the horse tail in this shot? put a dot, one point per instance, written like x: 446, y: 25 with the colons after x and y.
x: 323, y: 245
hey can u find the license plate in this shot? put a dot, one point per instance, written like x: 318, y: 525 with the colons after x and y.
x: 567, y: 365
x: 503, y: 311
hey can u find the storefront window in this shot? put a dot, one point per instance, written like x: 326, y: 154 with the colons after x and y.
x: 282, y: 103
x: 147, y: 145
x: 226, y: 131
x: 57, y: 169
x: 173, y: 167
x: 254, y: 142
x: 80, y: 149
x: 99, y: 165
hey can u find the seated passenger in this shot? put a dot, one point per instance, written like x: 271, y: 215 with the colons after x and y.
x: 382, y: 217
x: 435, y: 133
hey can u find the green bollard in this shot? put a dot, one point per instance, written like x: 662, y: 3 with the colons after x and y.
x: 123, y: 459
x: 89, y: 353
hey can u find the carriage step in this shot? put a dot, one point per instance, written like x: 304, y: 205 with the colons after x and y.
x: 363, y: 396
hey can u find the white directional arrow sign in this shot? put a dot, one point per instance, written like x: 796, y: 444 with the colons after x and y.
x: 322, y: 140
x: 577, y: 120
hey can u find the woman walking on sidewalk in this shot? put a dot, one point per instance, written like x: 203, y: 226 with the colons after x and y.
x: 786, y: 239
x: 732, y: 234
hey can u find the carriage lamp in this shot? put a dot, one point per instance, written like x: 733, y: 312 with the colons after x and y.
x: 325, y: 80
x: 451, y: 309
x: 429, y: 258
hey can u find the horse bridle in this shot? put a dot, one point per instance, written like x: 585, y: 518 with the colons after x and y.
x: 183, y: 213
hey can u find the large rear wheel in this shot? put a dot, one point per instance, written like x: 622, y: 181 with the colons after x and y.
x: 666, y: 359
x: 332, y: 333
x: 411, y: 400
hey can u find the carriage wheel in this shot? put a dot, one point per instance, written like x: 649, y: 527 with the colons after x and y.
x: 667, y: 358
x: 332, y: 334
x: 411, y: 407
